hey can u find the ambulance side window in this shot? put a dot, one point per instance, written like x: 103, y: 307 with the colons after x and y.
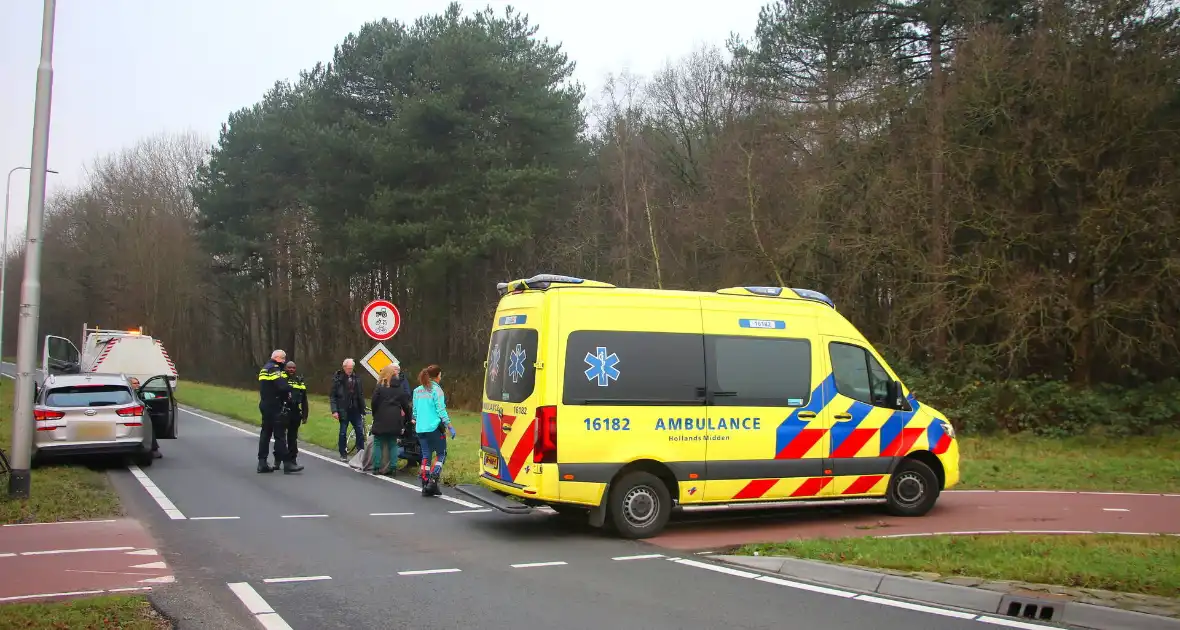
x: 758, y: 371
x: 858, y: 375
x: 633, y: 368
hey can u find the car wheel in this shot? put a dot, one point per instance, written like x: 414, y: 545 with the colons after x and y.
x: 913, y: 489
x: 640, y: 505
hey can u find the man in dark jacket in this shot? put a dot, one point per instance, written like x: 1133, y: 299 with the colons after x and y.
x: 296, y: 411
x: 274, y: 391
x: 348, y: 406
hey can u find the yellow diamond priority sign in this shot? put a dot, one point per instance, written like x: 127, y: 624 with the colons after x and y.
x: 377, y: 359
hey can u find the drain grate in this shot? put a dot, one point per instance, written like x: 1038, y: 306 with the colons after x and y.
x: 1031, y: 608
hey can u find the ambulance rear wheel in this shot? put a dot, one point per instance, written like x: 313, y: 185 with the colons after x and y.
x: 913, y: 489
x: 640, y: 505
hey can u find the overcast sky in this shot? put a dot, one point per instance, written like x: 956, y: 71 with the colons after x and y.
x: 125, y: 69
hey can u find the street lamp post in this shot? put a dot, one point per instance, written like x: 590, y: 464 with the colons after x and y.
x: 4, y: 249
x: 30, y: 290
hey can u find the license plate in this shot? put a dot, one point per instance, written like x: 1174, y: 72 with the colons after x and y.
x: 491, y: 461
x: 94, y: 431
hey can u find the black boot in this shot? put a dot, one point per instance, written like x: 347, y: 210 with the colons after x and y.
x: 433, y: 485
x: 290, y: 466
x: 264, y: 467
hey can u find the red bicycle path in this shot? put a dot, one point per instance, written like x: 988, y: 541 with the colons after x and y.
x: 41, y: 561
x: 957, y: 512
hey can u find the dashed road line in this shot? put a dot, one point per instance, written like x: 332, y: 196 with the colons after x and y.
x: 643, y: 556
x: 304, y: 516
x: 534, y: 565
x: 151, y: 565
x: 214, y: 518
x: 1115, y: 510
x: 51, y: 552
x: 392, y: 514
x: 21, y: 598
x: 428, y: 571
x: 473, y: 511
x: 107, y: 520
x: 310, y: 578
x: 335, y: 462
x: 258, y: 606
x: 157, y: 495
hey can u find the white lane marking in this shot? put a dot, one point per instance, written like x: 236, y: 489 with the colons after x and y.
x: 7, y: 555
x: 334, y: 462
x: 1115, y: 510
x: 143, y: 552
x: 1012, y: 623
x: 258, y: 606
x: 1049, y: 531
x: 157, y: 495
x: 428, y: 571
x: 805, y: 587
x: 392, y: 514
x: 310, y: 578
x: 108, y: 520
x: 704, y: 553
x: 213, y: 518
x: 304, y: 516
x: 715, y: 567
x: 129, y: 589
x: 250, y: 597
x: 164, y: 579
x: 475, y: 511
x: 18, y: 598
x: 151, y: 565
x: 272, y: 621
x: 643, y: 556
x: 864, y: 597
x: 895, y: 603
x: 533, y: 565
x: 51, y: 552
x: 1082, y: 492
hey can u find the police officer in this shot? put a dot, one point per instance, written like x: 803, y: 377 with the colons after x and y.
x: 273, y: 394
x: 296, y: 411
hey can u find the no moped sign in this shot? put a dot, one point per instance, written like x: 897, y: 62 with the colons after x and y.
x: 381, y: 320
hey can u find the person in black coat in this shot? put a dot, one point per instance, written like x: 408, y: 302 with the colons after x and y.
x: 391, y: 409
x: 347, y: 400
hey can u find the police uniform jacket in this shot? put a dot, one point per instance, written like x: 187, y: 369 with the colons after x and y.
x: 273, y: 389
x: 297, y: 406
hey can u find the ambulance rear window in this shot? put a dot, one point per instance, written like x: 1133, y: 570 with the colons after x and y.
x: 511, y: 375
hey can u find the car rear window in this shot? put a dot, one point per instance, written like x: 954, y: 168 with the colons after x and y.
x: 88, y: 396
x: 511, y: 374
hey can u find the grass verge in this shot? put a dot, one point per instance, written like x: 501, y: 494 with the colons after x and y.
x: 1093, y: 462
x: 1135, y: 564
x: 323, y: 430
x: 124, y: 612
x: 59, y: 492
x: 1139, y: 464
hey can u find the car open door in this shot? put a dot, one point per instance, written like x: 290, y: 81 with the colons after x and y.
x: 156, y: 393
x: 60, y: 356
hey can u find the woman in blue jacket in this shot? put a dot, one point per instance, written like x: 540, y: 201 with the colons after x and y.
x: 430, y: 416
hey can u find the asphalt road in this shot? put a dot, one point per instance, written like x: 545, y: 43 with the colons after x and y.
x: 374, y: 553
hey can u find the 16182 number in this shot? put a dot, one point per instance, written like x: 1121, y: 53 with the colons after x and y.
x: 608, y: 424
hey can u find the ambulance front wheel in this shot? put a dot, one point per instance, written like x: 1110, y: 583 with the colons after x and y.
x: 913, y: 489
x: 640, y: 505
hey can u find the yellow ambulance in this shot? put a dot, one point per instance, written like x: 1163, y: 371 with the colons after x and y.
x: 629, y: 404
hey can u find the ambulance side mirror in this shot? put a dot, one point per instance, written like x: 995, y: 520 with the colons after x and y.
x: 896, y: 394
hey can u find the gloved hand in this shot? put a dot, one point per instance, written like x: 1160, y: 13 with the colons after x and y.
x: 451, y: 430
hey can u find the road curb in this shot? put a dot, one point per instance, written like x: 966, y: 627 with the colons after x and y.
x: 1064, y: 611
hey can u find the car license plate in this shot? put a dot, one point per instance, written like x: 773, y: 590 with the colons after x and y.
x: 94, y: 431
x: 491, y: 461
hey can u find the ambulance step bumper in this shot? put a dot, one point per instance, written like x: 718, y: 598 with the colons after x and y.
x: 500, y: 502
